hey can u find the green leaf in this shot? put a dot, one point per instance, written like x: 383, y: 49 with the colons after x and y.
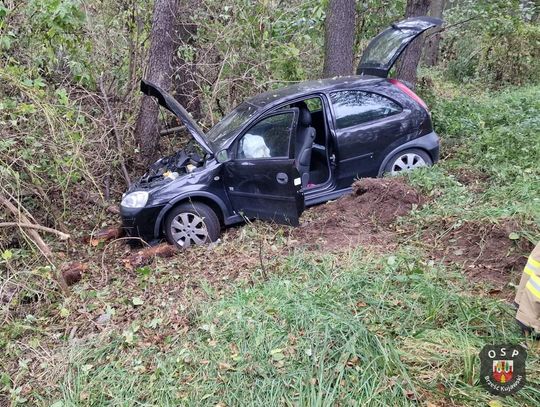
x: 277, y: 354
x: 144, y: 271
x: 7, y: 255
x: 137, y: 301
x: 154, y: 323
x: 513, y: 236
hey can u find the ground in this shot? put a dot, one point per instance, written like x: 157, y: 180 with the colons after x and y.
x: 384, y: 297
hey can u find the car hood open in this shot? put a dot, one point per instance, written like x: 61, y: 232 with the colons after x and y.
x: 168, y: 102
x: 383, y: 51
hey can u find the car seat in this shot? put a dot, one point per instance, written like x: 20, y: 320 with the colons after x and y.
x: 304, y: 142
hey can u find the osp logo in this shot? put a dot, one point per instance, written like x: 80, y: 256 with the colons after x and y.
x: 502, y: 368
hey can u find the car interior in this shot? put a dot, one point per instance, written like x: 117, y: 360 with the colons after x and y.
x: 312, y: 144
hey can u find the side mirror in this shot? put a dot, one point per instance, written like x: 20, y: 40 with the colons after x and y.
x: 222, y: 156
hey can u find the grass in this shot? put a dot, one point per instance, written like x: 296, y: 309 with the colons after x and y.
x: 356, y: 328
x: 322, y: 331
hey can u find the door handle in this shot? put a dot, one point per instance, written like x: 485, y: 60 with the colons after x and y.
x: 282, y: 178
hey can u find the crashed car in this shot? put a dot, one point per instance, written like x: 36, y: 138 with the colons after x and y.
x: 284, y: 150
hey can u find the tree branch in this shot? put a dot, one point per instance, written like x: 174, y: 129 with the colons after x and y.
x: 35, y: 238
x: 115, y: 130
x: 61, y: 235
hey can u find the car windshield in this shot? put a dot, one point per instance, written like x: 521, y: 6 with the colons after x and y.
x: 222, y: 132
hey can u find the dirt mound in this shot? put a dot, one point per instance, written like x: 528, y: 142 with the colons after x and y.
x: 363, y: 217
x: 485, y: 251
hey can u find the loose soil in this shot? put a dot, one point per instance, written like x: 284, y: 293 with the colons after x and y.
x: 472, y: 179
x: 484, y: 251
x: 365, y: 217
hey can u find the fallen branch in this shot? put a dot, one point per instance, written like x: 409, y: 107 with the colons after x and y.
x: 35, y: 238
x: 61, y: 235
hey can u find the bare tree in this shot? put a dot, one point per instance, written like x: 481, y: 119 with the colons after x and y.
x: 339, y: 38
x: 408, y: 62
x: 163, y: 44
x: 431, y: 52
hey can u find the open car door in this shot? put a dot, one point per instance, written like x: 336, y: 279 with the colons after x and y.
x: 261, y: 178
x: 383, y: 51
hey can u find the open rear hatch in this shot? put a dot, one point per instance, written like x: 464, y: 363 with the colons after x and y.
x: 383, y: 51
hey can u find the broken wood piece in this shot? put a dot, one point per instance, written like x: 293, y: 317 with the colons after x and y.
x: 104, y: 235
x: 72, y: 272
x: 146, y: 255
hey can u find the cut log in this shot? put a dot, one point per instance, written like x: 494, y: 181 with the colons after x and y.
x: 146, y: 255
x: 104, y: 235
x: 72, y: 272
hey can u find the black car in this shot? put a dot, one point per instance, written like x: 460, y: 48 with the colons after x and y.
x: 283, y: 150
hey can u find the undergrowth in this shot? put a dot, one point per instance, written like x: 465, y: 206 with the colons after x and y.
x: 494, y: 137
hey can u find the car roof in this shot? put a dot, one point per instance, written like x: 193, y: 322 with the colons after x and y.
x: 276, y: 96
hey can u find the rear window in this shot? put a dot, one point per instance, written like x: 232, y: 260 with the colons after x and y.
x: 353, y: 107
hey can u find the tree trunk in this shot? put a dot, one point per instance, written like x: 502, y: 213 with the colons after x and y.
x: 431, y: 52
x: 185, y: 75
x: 408, y: 62
x: 339, y: 38
x: 163, y: 44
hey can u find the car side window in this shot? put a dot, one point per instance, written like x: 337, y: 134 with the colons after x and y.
x: 268, y: 138
x: 353, y: 107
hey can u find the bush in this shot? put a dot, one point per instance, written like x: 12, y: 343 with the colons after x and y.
x: 495, y: 42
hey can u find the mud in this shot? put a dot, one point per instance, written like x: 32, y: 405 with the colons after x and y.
x: 364, y: 217
x: 484, y: 251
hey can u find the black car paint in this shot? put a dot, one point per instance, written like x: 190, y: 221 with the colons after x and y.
x: 355, y: 156
x: 361, y: 150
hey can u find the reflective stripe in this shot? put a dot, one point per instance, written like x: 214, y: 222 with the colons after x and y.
x: 536, y: 280
x: 534, y: 268
x: 528, y: 270
x: 535, y: 263
x: 534, y: 290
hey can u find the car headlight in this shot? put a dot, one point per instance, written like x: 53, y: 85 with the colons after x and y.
x: 136, y: 199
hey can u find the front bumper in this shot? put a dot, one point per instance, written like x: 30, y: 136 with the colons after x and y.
x: 140, y: 222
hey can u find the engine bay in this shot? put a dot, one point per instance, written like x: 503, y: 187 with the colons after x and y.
x: 171, y: 167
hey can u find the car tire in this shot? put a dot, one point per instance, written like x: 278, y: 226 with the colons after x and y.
x: 191, y: 223
x: 407, y: 160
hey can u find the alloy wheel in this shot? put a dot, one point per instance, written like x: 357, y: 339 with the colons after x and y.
x: 407, y: 162
x: 188, y: 228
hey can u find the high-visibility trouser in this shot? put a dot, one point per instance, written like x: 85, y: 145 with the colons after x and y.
x: 528, y: 294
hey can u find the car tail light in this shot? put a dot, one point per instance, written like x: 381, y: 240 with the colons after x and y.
x: 409, y: 92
